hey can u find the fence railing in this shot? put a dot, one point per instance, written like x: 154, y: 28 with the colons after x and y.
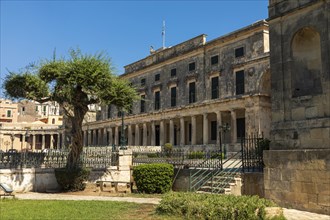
x: 179, y: 158
x: 93, y: 157
x: 252, y: 153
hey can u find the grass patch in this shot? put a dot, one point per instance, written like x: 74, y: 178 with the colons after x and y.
x: 14, y: 209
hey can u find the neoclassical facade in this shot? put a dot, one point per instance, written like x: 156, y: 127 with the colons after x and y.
x: 191, y: 90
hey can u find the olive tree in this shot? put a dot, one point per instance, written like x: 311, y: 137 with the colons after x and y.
x: 75, y: 83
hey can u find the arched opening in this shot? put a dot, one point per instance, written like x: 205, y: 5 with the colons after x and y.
x: 307, y: 63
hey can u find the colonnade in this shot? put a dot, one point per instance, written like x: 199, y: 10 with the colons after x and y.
x: 196, y: 129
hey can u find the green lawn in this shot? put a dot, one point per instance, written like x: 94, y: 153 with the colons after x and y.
x: 55, y: 209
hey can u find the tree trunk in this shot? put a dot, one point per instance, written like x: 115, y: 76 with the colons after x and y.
x: 74, y: 160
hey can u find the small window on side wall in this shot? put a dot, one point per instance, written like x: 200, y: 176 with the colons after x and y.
x: 157, y: 77
x: 173, y: 72
x: 214, y: 60
x: 192, y: 66
x: 239, y: 52
x: 143, y: 82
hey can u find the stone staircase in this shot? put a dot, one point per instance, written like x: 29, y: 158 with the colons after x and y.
x: 223, y: 183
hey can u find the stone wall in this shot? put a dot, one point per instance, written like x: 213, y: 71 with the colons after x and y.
x: 44, y: 180
x: 298, y: 179
x: 253, y: 184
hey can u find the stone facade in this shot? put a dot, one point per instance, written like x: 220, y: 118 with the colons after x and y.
x: 189, y: 90
x: 297, y: 169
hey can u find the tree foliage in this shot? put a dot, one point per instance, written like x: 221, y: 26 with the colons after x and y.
x: 75, y: 83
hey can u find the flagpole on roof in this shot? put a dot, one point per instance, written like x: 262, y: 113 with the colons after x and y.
x: 163, y: 34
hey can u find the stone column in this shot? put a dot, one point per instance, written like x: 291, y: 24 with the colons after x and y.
x: 182, y: 132
x: 116, y: 136
x: 63, y: 140
x: 233, y: 127
x: 59, y: 140
x: 193, y: 130
x: 145, y: 136
x: 137, y: 135
x: 43, y: 141
x: 161, y: 134
x: 51, y: 141
x: 171, y: 131
x: 110, y: 136
x: 153, y: 132
x: 89, y: 137
x: 94, y: 137
x: 219, y: 123
x: 33, y: 144
x: 205, y: 129
x: 129, y: 135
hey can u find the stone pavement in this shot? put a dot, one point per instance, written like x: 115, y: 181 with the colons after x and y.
x: 290, y: 214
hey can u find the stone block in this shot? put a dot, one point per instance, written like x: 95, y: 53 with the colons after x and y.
x: 311, y: 112
x: 323, y: 188
x: 323, y: 200
x: 307, y: 187
x: 298, y: 113
x: 316, y: 133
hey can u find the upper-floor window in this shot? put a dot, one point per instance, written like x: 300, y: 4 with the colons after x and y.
x: 173, y: 96
x: 192, y: 66
x: 9, y: 115
x: 142, y: 103
x: 157, y: 100
x: 214, y: 60
x: 53, y: 121
x: 192, y: 92
x: 37, y: 109
x: 215, y: 87
x: 143, y: 82
x: 239, y: 52
x: 173, y: 72
x: 240, y: 82
x: 157, y: 77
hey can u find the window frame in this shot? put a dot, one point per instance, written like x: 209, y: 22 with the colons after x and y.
x: 190, y: 65
x: 236, y: 52
x: 215, y: 91
x: 157, y: 100
x: 142, y: 104
x: 212, y: 60
x: 173, y: 72
x: 192, y: 92
x: 173, y: 98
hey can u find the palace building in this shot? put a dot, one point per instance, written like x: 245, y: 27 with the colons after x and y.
x: 192, y: 91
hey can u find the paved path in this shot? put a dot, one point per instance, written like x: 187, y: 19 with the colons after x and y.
x: 290, y: 214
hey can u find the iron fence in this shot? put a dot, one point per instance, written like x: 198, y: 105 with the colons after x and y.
x: 252, y: 153
x: 93, y: 157
x: 179, y: 158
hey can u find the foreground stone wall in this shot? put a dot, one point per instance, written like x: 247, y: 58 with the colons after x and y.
x: 44, y: 180
x: 253, y: 184
x: 298, y: 179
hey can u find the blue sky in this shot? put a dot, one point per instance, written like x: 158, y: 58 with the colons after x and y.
x: 31, y: 30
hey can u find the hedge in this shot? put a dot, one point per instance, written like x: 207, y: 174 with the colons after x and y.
x: 212, y: 206
x: 153, y: 178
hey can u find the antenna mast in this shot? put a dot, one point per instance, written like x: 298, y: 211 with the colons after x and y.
x: 163, y: 34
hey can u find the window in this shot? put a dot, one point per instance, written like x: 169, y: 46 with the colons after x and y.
x: 157, y: 100
x: 109, y: 111
x: 240, y: 82
x: 143, y: 82
x: 23, y: 109
x: 173, y: 72
x: 8, y: 113
x: 157, y: 77
x: 173, y: 96
x: 142, y: 103
x: 37, y: 109
x: 192, y: 92
x: 239, y: 52
x: 240, y: 125
x: 192, y: 66
x: 213, y: 130
x: 215, y: 88
x: 214, y: 60
x: 53, y: 121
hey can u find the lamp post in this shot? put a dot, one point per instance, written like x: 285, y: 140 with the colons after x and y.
x: 223, y: 129
x: 122, y: 136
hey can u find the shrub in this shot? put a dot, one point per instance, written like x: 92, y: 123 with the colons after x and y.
x: 72, y: 179
x: 210, y: 206
x: 153, y: 178
x: 196, y: 155
x: 168, y: 148
x: 263, y: 145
